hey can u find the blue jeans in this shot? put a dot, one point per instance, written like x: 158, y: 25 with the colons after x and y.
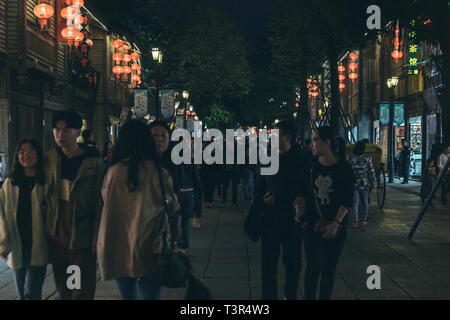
x: 29, y: 281
x: 147, y: 288
x: 364, y: 197
x: 248, y: 186
x: 187, y: 203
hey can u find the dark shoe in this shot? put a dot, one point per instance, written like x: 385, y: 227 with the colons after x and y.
x: 355, y: 224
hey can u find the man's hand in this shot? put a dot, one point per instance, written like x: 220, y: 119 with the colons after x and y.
x: 269, y: 199
x: 329, y: 231
x: 299, y: 205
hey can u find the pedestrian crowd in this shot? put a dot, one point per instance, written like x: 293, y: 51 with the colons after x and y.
x: 75, y: 206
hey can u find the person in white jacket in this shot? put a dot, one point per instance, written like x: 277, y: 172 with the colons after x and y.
x: 23, y: 243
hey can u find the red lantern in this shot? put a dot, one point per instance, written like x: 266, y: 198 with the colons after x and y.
x: 341, y: 86
x: 396, y: 54
x: 341, y: 77
x: 296, y: 104
x: 79, y: 19
x: 309, y: 80
x: 117, y: 57
x: 43, y: 11
x: 69, y: 33
x: 89, y: 42
x: 135, y: 56
x: 353, y: 66
x: 315, y: 94
x: 139, y: 72
x: 126, y: 58
x: 117, y: 70
x: 69, y: 13
x: 341, y: 68
x: 353, y: 76
x: 126, y: 47
x: 78, y: 38
x: 314, y: 87
x: 135, y: 67
x: 126, y: 70
x: 353, y: 56
x: 135, y: 78
x: 76, y: 3
x: 117, y: 43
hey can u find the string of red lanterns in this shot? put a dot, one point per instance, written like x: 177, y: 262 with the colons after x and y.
x: 312, y: 87
x: 396, y: 42
x: 341, y: 70
x: 353, y: 66
x: 120, y: 56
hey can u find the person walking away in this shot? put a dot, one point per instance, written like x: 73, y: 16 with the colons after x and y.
x: 364, y: 174
x: 443, y: 158
x: 405, y: 154
x: 134, y: 219
x: 275, y: 195
x: 73, y: 180
x: 23, y: 242
x: 328, y: 195
x: 428, y: 180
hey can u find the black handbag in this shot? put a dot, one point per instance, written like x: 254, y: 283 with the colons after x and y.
x: 253, y: 224
x: 173, y: 267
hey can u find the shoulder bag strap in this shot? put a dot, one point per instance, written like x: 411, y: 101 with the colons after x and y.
x: 166, y: 209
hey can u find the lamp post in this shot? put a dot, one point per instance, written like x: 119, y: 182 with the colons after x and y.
x: 157, y: 56
x: 391, y: 84
x: 185, y: 95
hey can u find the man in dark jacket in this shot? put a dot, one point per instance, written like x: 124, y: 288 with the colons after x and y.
x: 405, y: 160
x: 274, y: 197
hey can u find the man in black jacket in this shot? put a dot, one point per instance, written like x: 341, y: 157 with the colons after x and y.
x: 405, y: 160
x: 275, y: 196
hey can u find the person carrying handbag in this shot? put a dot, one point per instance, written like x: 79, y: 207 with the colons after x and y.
x: 328, y: 197
x: 135, y: 215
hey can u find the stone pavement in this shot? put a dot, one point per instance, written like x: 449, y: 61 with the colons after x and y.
x: 229, y: 263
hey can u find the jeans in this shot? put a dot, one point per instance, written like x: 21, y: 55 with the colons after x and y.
x: 147, y: 288
x: 405, y: 172
x: 322, y: 257
x: 362, y: 195
x: 29, y: 281
x: 248, y: 186
x: 286, y: 234
x: 234, y: 185
x: 187, y: 203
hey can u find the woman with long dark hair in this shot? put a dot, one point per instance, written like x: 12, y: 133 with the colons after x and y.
x: 134, y: 218
x: 23, y: 243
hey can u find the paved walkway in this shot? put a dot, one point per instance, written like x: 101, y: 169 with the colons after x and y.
x: 229, y: 262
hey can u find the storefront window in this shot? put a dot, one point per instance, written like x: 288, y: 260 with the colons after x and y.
x: 416, y: 145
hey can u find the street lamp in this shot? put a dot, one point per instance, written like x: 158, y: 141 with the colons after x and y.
x: 391, y: 84
x: 185, y: 96
x: 157, y: 56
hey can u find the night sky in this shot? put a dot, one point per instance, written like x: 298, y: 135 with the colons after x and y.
x: 251, y: 17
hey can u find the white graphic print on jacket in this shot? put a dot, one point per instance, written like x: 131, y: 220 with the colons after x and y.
x: 324, y: 185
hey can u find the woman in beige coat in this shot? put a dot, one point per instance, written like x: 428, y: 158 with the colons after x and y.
x: 23, y: 243
x: 133, y: 218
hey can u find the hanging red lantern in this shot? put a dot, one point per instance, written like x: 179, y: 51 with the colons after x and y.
x: 126, y: 70
x: 43, y: 11
x: 134, y: 56
x: 341, y: 68
x: 76, y: 3
x: 79, y: 36
x: 309, y: 80
x: 315, y: 87
x: 139, y: 72
x: 69, y: 33
x: 353, y: 66
x: 126, y: 47
x: 341, y: 86
x: 69, y: 13
x: 353, y: 56
x: 90, y: 43
x: 135, y: 67
x: 353, y: 76
x: 341, y: 77
x: 117, y: 57
x: 117, y: 43
x: 118, y: 71
x: 135, y: 78
x: 79, y: 19
x: 396, y: 54
x: 126, y: 58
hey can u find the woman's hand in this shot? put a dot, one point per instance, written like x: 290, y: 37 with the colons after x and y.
x: 329, y: 231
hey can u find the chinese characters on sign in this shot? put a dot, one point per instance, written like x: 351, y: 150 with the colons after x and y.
x: 140, y: 103
x: 167, y: 103
x: 413, y: 50
x: 384, y: 113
